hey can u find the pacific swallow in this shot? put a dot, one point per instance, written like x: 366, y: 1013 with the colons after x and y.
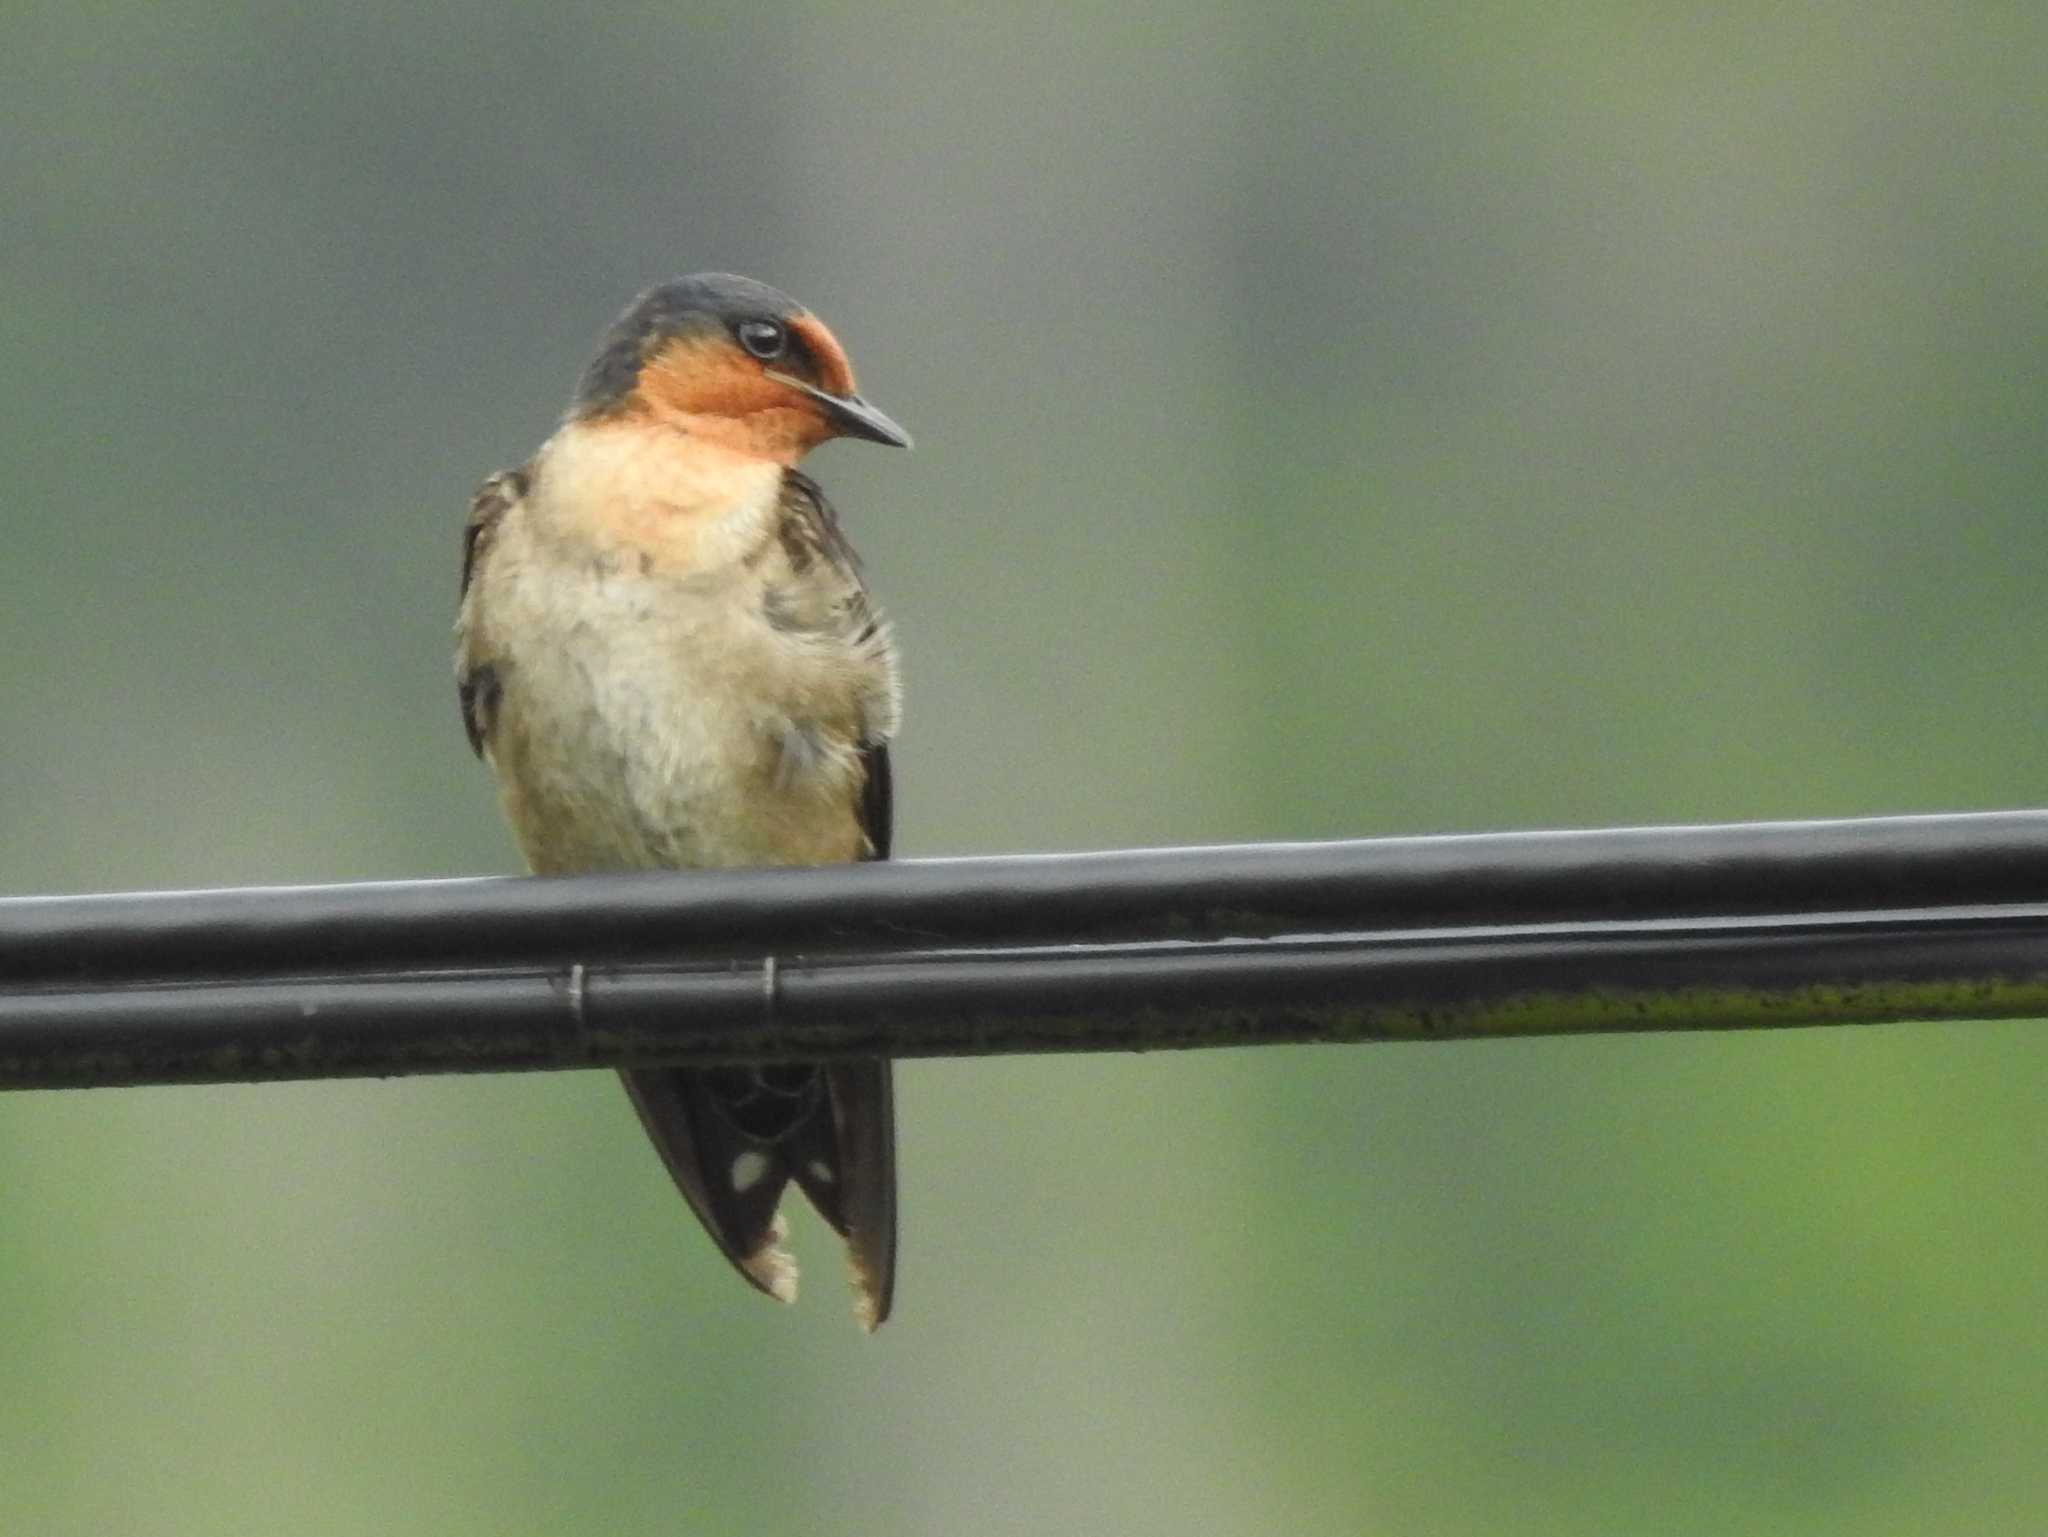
x: 667, y: 655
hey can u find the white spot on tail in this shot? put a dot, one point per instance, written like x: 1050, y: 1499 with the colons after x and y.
x: 748, y: 1170
x: 821, y: 1171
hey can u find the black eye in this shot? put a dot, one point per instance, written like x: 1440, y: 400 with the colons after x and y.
x: 764, y: 338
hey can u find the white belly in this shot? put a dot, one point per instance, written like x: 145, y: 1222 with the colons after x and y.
x: 650, y: 722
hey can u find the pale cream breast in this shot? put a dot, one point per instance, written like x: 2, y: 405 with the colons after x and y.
x: 652, y: 712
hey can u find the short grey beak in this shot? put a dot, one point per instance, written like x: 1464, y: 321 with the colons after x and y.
x: 851, y: 415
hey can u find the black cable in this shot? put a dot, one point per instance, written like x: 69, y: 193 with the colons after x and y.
x: 1432, y: 938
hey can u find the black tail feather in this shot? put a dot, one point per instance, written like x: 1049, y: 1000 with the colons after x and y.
x: 733, y: 1139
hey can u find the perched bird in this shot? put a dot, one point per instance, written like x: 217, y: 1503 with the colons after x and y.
x: 667, y: 656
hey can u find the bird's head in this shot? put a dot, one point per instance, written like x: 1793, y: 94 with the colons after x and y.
x: 734, y: 362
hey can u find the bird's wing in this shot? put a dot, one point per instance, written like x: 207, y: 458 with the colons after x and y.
x: 859, y: 1196
x: 476, y: 677
x: 733, y: 1138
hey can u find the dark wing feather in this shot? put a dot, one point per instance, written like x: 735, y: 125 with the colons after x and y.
x: 878, y: 800
x: 487, y: 509
x: 810, y: 527
x: 810, y: 532
x: 476, y: 681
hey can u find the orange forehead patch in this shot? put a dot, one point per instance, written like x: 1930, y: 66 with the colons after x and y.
x: 835, y: 370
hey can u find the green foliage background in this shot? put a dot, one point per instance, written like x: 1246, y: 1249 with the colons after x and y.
x: 1330, y: 423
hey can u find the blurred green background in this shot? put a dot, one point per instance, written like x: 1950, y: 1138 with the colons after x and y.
x: 1395, y: 421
